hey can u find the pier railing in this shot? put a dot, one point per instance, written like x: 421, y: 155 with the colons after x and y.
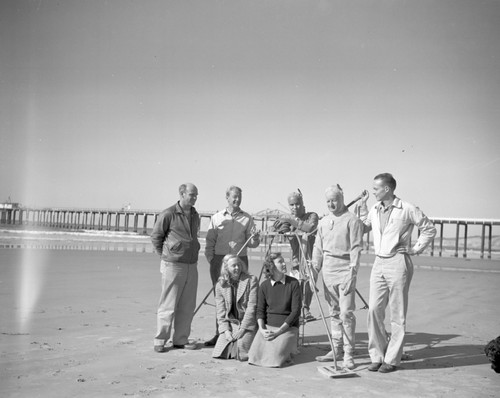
x: 142, y: 221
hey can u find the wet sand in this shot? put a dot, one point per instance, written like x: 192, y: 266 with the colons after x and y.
x: 90, y: 330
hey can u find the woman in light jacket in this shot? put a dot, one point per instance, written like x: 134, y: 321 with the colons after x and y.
x: 236, y: 301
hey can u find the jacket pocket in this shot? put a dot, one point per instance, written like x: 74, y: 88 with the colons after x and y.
x: 174, y: 246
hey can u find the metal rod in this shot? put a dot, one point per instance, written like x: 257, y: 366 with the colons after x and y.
x: 213, y: 287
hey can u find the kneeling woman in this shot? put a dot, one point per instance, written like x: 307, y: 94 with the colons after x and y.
x: 278, y: 311
x: 235, y: 300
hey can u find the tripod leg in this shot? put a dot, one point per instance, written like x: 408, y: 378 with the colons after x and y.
x: 203, y: 301
x: 309, y: 272
x: 363, y: 300
x: 213, y: 287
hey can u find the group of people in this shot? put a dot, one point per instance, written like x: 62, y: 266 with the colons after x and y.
x: 260, y: 324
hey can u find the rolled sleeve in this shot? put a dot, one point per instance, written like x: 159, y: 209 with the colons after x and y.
x: 426, y: 228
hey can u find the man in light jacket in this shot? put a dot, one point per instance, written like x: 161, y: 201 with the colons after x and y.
x: 392, y: 221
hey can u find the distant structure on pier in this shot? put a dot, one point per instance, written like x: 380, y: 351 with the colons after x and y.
x: 8, y: 205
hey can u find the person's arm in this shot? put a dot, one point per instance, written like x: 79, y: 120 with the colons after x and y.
x: 221, y: 311
x: 356, y: 239
x: 296, y: 303
x: 248, y: 321
x: 309, y: 225
x: 160, y: 232
x: 426, y: 228
x: 261, y: 310
x: 317, y: 254
x: 364, y: 214
x: 210, y: 240
x: 262, y: 328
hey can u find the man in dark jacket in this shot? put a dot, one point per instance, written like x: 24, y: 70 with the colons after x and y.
x: 175, y: 238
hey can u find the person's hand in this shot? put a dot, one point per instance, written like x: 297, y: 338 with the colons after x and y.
x: 270, y: 336
x: 267, y: 334
x: 313, y: 270
x: 349, y: 284
x: 364, y: 197
x: 228, y: 335
x: 255, y: 233
x: 412, y: 252
x: 281, y: 226
x: 239, y: 334
x: 285, y: 228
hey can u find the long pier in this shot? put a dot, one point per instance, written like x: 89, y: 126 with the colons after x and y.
x: 141, y: 221
x: 94, y: 219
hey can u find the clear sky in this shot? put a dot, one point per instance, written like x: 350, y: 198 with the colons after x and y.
x: 105, y: 103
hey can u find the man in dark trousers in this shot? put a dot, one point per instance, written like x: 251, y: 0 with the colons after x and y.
x: 228, y: 231
x: 306, y: 224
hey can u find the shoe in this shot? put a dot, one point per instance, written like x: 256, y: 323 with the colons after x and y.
x: 187, y: 346
x: 349, y: 363
x: 160, y: 348
x: 375, y: 366
x: 386, y: 368
x: 308, y: 316
x: 212, y: 341
x: 329, y: 357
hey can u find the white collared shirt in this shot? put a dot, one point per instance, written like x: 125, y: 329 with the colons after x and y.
x: 395, y: 238
x: 282, y: 280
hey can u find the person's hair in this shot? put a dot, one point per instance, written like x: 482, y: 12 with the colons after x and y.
x: 388, y: 179
x: 298, y: 196
x: 335, y: 188
x: 182, y: 188
x: 233, y: 188
x: 269, y: 264
x: 224, y: 277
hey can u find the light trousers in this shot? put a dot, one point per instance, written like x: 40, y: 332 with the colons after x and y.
x: 389, y: 285
x: 179, y: 284
x: 343, y: 320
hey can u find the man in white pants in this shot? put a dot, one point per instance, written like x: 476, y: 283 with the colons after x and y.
x: 175, y: 239
x: 337, y: 254
x: 392, y: 221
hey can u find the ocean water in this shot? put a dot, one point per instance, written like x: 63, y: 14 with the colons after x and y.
x: 102, y: 240
x: 75, y: 240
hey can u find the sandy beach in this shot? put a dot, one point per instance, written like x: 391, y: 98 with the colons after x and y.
x: 88, y: 331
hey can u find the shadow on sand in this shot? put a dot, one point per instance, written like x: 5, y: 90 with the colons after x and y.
x: 422, y: 351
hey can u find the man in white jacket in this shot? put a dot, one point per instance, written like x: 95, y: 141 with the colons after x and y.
x: 392, y: 221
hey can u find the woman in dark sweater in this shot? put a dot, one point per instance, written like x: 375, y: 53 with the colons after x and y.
x: 278, y: 311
